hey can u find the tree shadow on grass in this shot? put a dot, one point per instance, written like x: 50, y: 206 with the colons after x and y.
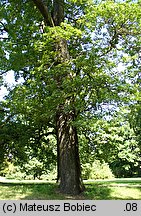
x: 50, y: 191
x: 96, y: 192
x: 33, y: 191
x: 27, y: 191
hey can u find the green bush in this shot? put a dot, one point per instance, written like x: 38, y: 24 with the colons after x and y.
x: 52, y: 175
x: 29, y: 171
x: 12, y: 172
x: 96, y: 170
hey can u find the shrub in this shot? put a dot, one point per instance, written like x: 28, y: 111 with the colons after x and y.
x: 96, y: 170
x: 12, y: 172
x: 52, y: 175
x: 29, y: 171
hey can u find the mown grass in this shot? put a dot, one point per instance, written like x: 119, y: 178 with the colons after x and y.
x: 119, y: 189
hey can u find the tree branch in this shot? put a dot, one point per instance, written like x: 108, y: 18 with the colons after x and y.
x: 4, y: 27
x: 44, y: 12
x: 3, y: 72
x: 58, y: 12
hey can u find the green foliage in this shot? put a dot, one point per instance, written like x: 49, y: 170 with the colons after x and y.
x: 32, y: 170
x: 52, y: 174
x: 88, y: 62
x: 113, y: 141
x: 135, y: 114
x: 12, y: 172
x: 96, y: 170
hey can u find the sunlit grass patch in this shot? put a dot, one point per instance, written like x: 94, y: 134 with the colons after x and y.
x: 29, y: 192
x: 126, y: 193
x: 14, y: 192
x: 95, y: 190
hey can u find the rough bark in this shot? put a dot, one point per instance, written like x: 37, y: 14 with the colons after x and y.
x: 69, y: 172
x: 69, y: 163
x: 42, y: 7
x: 58, y: 12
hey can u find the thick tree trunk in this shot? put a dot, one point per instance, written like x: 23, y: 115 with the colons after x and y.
x: 69, y: 171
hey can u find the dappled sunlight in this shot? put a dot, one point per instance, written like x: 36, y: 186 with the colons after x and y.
x: 114, y: 190
x: 96, y: 190
x: 126, y: 193
x: 14, y: 192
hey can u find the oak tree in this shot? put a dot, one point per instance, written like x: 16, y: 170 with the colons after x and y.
x: 68, y: 53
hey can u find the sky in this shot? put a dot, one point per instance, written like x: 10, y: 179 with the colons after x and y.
x: 8, y: 78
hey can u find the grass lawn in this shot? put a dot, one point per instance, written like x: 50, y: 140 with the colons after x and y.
x: 118, y: 189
